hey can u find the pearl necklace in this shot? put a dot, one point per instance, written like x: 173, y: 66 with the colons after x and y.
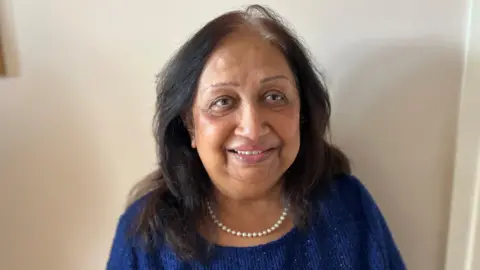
x: 245, y: 234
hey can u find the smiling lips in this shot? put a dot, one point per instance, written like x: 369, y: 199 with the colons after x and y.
x: 251, y: 157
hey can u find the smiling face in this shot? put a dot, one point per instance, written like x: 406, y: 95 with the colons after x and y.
x: 246, y: 116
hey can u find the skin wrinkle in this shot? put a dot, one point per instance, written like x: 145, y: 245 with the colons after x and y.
x: 262, y: 108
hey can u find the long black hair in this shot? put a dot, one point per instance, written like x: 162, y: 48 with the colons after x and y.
x: 174, y: 205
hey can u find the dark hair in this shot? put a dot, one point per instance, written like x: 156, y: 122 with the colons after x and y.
x: 174, y: 205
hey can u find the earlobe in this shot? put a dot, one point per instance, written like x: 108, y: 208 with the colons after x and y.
x: 194, y: 145
x: 192, y: 138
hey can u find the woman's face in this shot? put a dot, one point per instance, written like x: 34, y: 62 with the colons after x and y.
x: 246, y: 116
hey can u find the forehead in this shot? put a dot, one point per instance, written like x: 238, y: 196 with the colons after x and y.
x: 242, y: 57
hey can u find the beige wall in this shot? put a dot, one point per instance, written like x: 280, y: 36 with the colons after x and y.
x: 75, y: 120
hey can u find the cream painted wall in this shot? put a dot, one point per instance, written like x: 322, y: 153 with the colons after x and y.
x: 75, y: 116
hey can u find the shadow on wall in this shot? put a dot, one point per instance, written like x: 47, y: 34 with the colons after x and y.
x: 394, y: 113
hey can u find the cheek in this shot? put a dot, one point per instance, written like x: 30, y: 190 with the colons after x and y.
x: 210, y: 131
x: 290, y: 130
x: 287, y: 126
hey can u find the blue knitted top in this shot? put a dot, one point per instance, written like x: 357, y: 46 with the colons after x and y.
x: 348, y: 231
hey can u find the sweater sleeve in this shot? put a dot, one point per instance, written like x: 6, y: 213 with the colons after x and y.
x: 380, y: 235
x: 122, y: 256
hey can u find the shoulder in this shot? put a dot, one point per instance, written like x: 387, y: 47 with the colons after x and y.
x: 122, y: 252
x: 347, y: 184
x: 128, y: 219
x: 349, y: 207
x: 348, y: 196
x: 350, y: 191
x: 134, y: 209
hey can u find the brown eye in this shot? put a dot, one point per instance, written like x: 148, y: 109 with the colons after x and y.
x: 275, y: 98
x: 222, y: 103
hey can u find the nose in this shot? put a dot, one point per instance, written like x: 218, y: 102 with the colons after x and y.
x: 251, y: 123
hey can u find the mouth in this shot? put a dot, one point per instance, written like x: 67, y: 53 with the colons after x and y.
x: 251, y: 157
x: 256, y: 152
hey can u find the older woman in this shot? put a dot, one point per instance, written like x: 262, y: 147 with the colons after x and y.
x: 246, y: 178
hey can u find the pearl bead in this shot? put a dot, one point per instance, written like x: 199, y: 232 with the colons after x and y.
x: 245, y: 234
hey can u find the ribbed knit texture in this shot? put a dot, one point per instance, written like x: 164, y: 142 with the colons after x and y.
x: 348, y: 232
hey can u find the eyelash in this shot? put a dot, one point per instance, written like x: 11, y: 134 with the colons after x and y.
x: 277, y: 97
x: 216, y: 101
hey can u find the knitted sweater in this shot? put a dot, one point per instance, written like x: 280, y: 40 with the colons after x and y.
x: 348, y: 232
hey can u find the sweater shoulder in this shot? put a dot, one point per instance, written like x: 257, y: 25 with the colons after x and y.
x: 134, y: 209
x: 125, y: 251
x: 349, y: 192
x: 350, y: 208
x: 344, y: 201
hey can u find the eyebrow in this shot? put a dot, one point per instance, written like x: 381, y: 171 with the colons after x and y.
x: 272, y: 78
x: 264, y: 80
x: 221, y: 84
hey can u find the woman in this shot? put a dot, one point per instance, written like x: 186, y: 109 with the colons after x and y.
x: 246, y: 179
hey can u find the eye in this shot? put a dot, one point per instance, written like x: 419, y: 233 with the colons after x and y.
x: 275, y: 97
x: 222, y: 103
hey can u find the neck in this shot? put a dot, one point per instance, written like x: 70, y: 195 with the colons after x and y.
x: 253, y: 214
